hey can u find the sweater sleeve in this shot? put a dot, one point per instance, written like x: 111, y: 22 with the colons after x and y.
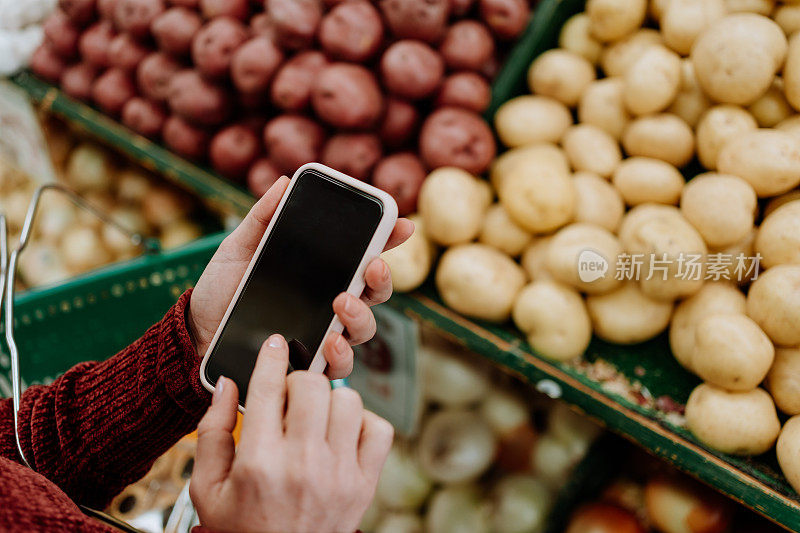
x: 101, y: 425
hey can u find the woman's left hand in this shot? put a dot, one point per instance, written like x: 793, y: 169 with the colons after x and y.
x: 220, y: 279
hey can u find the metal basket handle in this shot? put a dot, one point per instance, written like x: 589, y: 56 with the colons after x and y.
x: 8, y: 268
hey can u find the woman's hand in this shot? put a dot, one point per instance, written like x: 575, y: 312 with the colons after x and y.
x: 217, y: 285
x: 308, y: 460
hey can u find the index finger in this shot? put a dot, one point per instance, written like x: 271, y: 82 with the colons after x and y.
x: 401, y: 232
x: 266, y: 394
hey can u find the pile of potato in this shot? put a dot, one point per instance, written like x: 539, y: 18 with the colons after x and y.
x: 483, y: 459
x: 704, y: 82
x: 262, y: 87
x: 68, y: 240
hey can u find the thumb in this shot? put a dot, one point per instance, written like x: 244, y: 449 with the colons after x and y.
x: 215, y: 444
x: 248, y: 234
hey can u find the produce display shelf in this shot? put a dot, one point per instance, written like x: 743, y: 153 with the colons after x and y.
x: 216, y: 190
x: 636, y: 391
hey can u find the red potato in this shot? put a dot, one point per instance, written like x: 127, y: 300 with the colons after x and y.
x: 262, y: 25
x: 352, y: 31
x: 459, y: 8
x: 296, y: 21
x: 46, y: 64
x: 261, y: 176
x: 233, y: 150
x: 253, y: 101
x: 411, y: 69
x: 105, y: 8
x: 80, y: 12
x: 153, y: 75
x: 347, y: 96
x: 174, y: 29
x: 214, y: 45
x: 254, y: 63
x: 467, y: 45
x: 61, y: 34
x: 143, y: 116
x: 197, y: 99
x: 452, y: 137
x: 603, y: 518
x: 401, y: 175
x: 94, y: 42
x: 506, y: 18
x: 191, y: 4
x: 355, y: 154
x: 184, y: 138
x: 291, y: 87
x: 135, y: 16
x: 399, y: 122
x: 293, y: 140
x: 77, y: 80
x: 112, y: 90
x: 465, y: 89
x: 238, y: 9
x: 425, y: 20
x: 126, y: 52
x: 492, y: 67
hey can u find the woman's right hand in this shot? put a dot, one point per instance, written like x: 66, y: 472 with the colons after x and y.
x: 308, y: 459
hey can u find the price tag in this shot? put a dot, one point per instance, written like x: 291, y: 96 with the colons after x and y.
x: 22, y: 143
x: 386, y: 372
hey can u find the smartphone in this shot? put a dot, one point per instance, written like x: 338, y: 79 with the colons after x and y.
x: 327, y: 228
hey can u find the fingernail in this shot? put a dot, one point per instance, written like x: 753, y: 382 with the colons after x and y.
x: 340, y: 345
x: 386, y: 272
x: 349, y: 306
x: 275, y: 341
x: 218, y: 390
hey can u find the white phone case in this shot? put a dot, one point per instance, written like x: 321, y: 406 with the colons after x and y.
x: 356, y: 286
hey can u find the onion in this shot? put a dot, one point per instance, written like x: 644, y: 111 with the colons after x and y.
x: 574, y: 430
x: 400, y: 523
x: 15, y: 207
x: 504, y: 411
x: 678, y: 506
x: 521, y: 504
x: 116, y: 241
x: 56, y: 213
x: 41, y: 264
x: 82, y: 250
x: 402, y: 485
x: 456, y: 446
x: 604, y: 518
x: 133, y: 186
x: 458, y: 509
x: 552, y: 460
x: 449, y: 380
x: 179, y: 233
x: 89, y: 168
x: 162, y: 206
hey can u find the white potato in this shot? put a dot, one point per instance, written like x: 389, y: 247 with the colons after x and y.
x: 731, y: 352
x: 531, y: 119
x: 619, y: 56
x: 778, y: 239
x: 554, y: 318
x: 534, y: 259
x: 761, y: 7
x: 790, y: 125
x: 665, y: 243
x: 778, y: 201
x: 736, y: 262
x: 592, y: 149
x: 737, y: 57
x: 538, y: 198
x: 627, y: 316
x: 411, y: 262
x: 691, y: 102
x: 611, y: 20
x: 791, y: 73
x: 771, y: 108
x: 788, y: 18
x: 652, y: 81
x: 597, y: 201
x: 577, y: 254
x: 767, y: 159
x: 539, y: 154
x: 774, y: 303
x: 657, y: 8
x: 739, y: 423
x: 479, y: 281
x: 684, y: 20
x: 576, y: 37
x: 713, y: 298
x: 722, y: 207
x: 602, y: 105
x: 500, y: 232
x: 662, y: 136
x: 783, y: 380
x: 717, y: 126
x: 560, y: 74
x: 452, y: 203
x: 788, y: 451
x: 643, y: 179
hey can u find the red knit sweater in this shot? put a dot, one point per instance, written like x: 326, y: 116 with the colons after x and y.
x: 99, y: 428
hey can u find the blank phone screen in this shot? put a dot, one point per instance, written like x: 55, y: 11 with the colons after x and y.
x: 310, y: 256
